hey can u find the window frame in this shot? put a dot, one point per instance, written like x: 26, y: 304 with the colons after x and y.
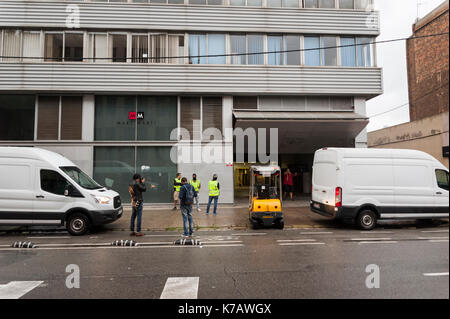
x: 437, y: 181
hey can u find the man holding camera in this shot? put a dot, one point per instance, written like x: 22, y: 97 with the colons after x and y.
x: 136, y: 188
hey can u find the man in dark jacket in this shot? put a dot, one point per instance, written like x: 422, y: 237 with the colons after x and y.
x: 137, y: 187
x: 187, y: 195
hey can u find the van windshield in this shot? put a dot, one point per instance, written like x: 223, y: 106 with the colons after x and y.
x: 80, y: 177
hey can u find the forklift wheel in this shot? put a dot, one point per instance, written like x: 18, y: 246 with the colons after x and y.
x: 280, y: 225
x: 255, y: 225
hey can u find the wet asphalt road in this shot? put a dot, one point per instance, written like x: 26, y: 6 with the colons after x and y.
x: 292, y: 264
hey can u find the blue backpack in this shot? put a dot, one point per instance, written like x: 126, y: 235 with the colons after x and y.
x: 189, y: 198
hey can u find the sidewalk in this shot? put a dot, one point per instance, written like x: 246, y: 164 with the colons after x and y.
x: 158, y: 218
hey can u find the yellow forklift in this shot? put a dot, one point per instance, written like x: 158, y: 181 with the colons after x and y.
x: 265, y: 197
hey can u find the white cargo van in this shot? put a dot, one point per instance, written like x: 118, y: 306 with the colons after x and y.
x: 364, y: 185
x: 39, y: 187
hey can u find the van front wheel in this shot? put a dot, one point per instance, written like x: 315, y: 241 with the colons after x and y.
x: 367, y: 220
x: 77, y: 224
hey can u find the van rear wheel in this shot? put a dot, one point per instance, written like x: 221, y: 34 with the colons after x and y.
x: 367, y: 220
x: 77, y: 224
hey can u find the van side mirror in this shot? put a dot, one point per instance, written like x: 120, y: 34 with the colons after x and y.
x: 69, y: 190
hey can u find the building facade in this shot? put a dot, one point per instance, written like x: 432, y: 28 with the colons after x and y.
x: 428, y: 70
x: 126, y: 86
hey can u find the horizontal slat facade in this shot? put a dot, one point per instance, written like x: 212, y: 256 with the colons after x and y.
x: 187, y: 79
x: 121, y: 16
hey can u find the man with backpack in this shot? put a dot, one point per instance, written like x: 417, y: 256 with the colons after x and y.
x: 187, y: 195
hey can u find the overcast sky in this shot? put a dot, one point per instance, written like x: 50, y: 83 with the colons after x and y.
x: 397, y: 17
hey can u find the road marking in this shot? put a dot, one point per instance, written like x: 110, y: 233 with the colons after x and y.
x: 432, y: 238
x: 17, y: 289
x: 439, y: 241
x: 300, y: 244
x: 434, y: 231
x: 249, y: 234
x: 316, y: 233
x: 230, y: 245
x: 436, y: 274
x: 174, y: 235
x: 378, y: 242
x: 376, y: 232
x: 50, y: 237
x: 369, y: 238
x: 181, y: 288
x: 294, y: 240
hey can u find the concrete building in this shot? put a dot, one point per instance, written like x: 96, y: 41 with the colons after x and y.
x: 120, y: 86
x: 428, y: 71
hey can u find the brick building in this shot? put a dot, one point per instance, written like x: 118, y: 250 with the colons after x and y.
x: 427, y: 64
x: 427, y: 60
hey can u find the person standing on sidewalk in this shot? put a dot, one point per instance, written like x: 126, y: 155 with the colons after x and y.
x: 214, y: 192
x: 136, y: 189
x: 187, y: 195
x: 196, y: 184
x: 176, y: 190
x: 288, y: 183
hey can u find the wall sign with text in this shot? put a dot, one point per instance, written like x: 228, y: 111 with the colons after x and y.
x: 136, y: 115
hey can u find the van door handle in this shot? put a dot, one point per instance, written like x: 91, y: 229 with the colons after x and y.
x: 438, y: 193
x: 40, y: 196
x: 324, y: 191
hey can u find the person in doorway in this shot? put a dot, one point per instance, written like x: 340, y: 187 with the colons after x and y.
x: 197, y: 185
x: 187, y: 195
x: 176, y: 190
x: 136, y: 188
x: 214, y: 192
x: 288, y: 184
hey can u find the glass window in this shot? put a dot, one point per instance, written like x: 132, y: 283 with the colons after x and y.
x: 53, y: 47
x: 73, y: 47
x: 197, y: 49
x: 237, y: 3
x: 245, y: 102
x: 363, y: 4
x: 118, y: 45
x: 364, y: 55
x: 48, y: 118
x: 99, y: 48
x: 215, y: 2
x: 112, y: 121
x: 311, y: 3
x: 114, y: 168
x: 176, y: 1
x: 158, y: 48
x: 327, y: 4
x: 212, y: 113
x: 197, y: 1
x: 290, y: 3
x: 11, y: 45
x: 274, y: 44
x: 137, y: 1
x: 155, y: 165
x: 442, y: 179
x: 274, y: 3
x: 216, y: 46
x: 160, y: 117
x: 346, y: 4
x: 71, y: 117
x: 53, y: 182
x: 190, y: 116
x: 237, y: 46
x: 312, y: 51
x: 31, y: 46
x: 255, y: 44
x: 17, y: 117
x: 158, y: 1
x: 80, y: 177
x: 254, y: 3
x: 139, y: 49
x: 329, y: 56
x: 176, y: 48
x: 348, y: 52
x: 292, y: 42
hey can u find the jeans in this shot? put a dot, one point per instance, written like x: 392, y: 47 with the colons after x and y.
x: 211, y: 198
x: 186, y: 212
x: 197, y: 201
x: 136, y: 212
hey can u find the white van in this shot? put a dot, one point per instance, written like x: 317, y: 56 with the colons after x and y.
x: 364, y: 185
x: 39, y: 187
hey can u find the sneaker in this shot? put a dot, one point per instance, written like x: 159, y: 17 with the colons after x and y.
x: 174, y: 208
x: 139, y: 234
x: 132, y: 233
x: 199, y: 210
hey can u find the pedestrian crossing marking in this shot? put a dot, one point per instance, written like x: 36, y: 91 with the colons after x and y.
x: 17, y: 289
x: 181, y: 288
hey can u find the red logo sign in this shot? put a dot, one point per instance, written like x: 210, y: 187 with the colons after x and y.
x: 132, y: 115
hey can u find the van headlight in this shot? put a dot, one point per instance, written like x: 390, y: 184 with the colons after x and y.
x: 102, y: 199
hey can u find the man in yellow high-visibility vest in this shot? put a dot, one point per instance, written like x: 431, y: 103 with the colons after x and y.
x: 214, y: 192
x: 176, y: 190
x: 197, y: 185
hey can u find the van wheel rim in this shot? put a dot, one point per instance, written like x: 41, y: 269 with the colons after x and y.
x: 77, y: 225
x: 367, y: 220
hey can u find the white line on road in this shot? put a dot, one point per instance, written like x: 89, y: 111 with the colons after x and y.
x: 294, y: 240
x: 316, y: 233
x: 181, y: 288
x: 376, y: 232
x: 174, y: 235
x: 434, y: 231
x: 249, y: 234
x: 432, y: 238
x: 50, y: 237
x: 16, y: 289
x: 370, y: 238
x: 300, y: 244
x: 439, y: 241
x: 436, y: 274
x: 378, y: 242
